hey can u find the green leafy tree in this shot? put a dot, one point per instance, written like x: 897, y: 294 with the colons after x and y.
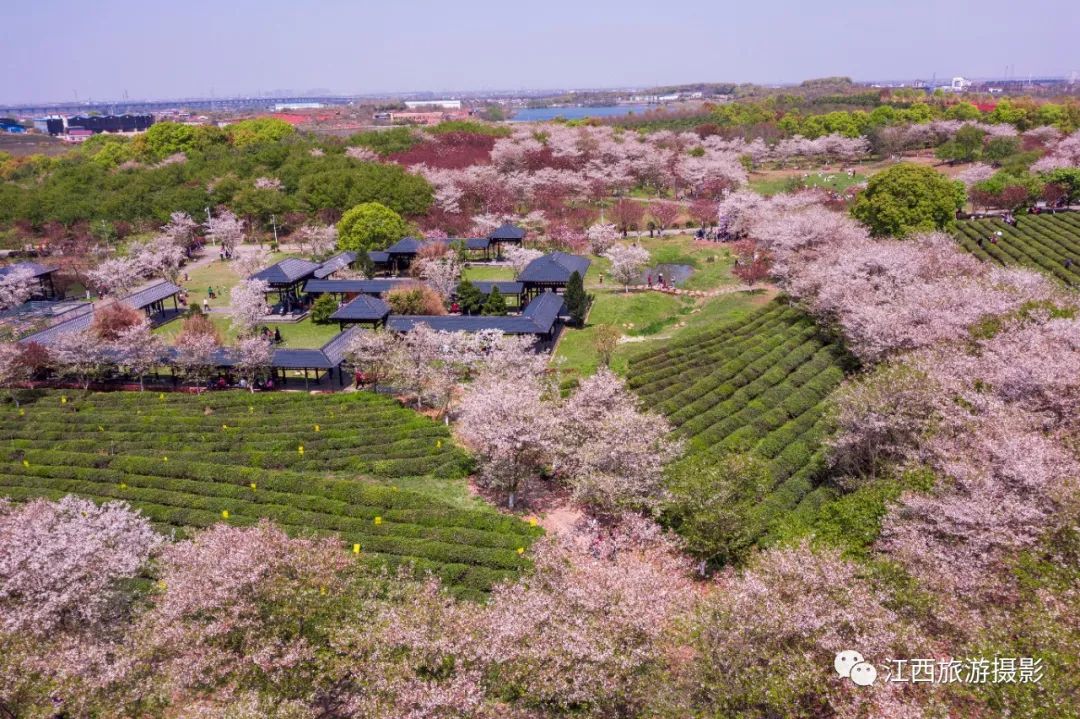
x: 963, y: 111
x: 1068, y: 178
x: 342, y: 188
x: 259, y: 130
x: 708, y: 496
x: 1001, y: 148
x: 909, y: 198
x: 469, y: 298
x: 163, y: 139
x: 259, y: 205
x: 364, y: 265
x: 387, y: 142
x: 495, y: 304
x: 369, y: 226
x: 322, y: 308
x: 577, y: 302
x: 965, y: 147
x: 1008, y: 191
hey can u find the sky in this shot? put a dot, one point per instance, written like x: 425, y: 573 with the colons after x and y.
x: 57, y: 50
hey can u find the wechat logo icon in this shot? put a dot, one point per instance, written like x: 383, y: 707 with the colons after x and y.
x: 849, y: 664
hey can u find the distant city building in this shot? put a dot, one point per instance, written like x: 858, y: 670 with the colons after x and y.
x: 111, y: 123
x: 298, y: 106
x: 444, y: 104
x: 11, y: 126
x: 656, y: 99
x: 80, y: 125
x: 77, y: 134
x: 426, y: 118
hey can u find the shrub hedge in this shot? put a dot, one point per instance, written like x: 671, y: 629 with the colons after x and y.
x: 755, y: 385
x: 312, y: 464
x: 1042, y: 242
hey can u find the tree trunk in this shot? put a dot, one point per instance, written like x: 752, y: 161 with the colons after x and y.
x: 511, y: 499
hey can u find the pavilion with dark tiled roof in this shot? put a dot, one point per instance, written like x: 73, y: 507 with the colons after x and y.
x: 149, y: 299
x: 46, y: 288
x: 512, y: 291
x: 551, y: 272
x: 364, y: 309
x: 506, y: 234
x: 152, y: 301
x: 286, y: 278
x: 539, y: 319
x: 402, y: 253
x: 348, y: 289
x: 338, y: 262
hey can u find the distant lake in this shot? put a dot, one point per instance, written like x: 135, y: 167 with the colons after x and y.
x: 540, y: 114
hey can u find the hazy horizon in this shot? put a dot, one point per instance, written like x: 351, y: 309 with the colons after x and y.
x: 59, y: 49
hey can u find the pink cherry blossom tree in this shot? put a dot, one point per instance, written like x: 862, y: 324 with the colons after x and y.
x: 13, y: 368
x: 227, y: 230
x: 61, y: 562
x: 611, y: 453
x: 363, y: 154
x: 319, y: 240
x: 137, y: 350
x: 627, y: 262
x: 373, y: 353
x: 519, y: 257
x: 16, y: 287
x: 253, y: 356
x: 441, y: 273
x: 161, y: 256
x: 181, y: 229
x: 195, y: 353
x: 239, y: 607
x: 250, y: 260
x: 247, y: 305
x: 601, y: 237
x: 513, y: 439
x: 81, y: 355
x: 764, y: 641
x: 116, y: 277
x: 664, y: 213
x: 268, y: 183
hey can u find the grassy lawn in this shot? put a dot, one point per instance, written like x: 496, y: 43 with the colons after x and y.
x: 634, y: 314
x: 487, y: 273
x: 220, y: 275
x: 712, y: 262
x: 647, y: 314
x: 647, y: 320
x: 366, y: 458
x: 836, y: 181
x: 303, y: 334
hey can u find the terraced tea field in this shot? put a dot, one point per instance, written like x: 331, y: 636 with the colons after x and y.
x: 1044, y: 242
x: 328, y: 464
x: 754, y: 385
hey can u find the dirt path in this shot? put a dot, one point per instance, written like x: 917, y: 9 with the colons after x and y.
x: 560, y: 519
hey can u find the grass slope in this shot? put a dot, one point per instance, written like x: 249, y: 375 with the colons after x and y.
x: 1042, y: 242
x: 185, y: 460
x: 755, y: 384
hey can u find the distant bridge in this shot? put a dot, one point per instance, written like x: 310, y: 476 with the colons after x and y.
x: 119, y: 107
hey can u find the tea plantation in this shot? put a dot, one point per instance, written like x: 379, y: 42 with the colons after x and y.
x: 328, y: 464
x: 754, y: 385
x: 1044, y: 242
